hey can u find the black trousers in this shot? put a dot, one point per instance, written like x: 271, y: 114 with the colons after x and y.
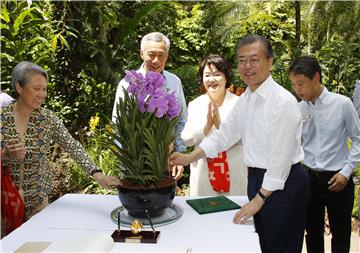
x: 280, y: 223
x: 339, y: 207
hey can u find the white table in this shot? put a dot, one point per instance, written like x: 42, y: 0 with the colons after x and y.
x: 78, y: 216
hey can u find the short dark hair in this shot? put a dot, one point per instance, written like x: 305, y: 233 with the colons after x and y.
x: 220, y: 63
x: 306, y: 65
x: 252, y: 38
x: 22, y: 73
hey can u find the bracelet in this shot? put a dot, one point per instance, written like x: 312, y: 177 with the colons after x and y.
x: 262, y: 195
x: 95, y: 171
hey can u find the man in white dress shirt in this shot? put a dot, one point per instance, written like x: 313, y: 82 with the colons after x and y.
x: 154, y: 52
x: 329, y: 120
x: 267, y: 120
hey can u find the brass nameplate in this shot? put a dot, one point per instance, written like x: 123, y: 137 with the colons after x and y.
x: 128, y: 237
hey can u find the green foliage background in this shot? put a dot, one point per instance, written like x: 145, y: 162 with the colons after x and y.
x: 87, y: 45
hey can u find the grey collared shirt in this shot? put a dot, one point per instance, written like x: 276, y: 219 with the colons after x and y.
x: 327, y: 126
x: 356, y: 99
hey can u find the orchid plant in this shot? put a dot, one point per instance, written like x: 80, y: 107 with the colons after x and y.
x: 144, y: 128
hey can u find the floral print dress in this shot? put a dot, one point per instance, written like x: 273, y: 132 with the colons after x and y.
x: 44, y: 127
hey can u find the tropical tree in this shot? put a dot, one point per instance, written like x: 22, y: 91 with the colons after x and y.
x: 330, y: 33
x: 26, y: 32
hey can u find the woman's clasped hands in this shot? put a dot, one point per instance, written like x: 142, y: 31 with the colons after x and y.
x: 13, y: 151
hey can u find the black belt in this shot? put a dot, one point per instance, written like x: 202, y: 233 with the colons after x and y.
x: 318, y: 173
x: 254, y: 170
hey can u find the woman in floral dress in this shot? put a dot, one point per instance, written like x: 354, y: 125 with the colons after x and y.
x: 27, y: 132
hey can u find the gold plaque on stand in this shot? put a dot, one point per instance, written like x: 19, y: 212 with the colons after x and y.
x: 136, y: 234
x: 142, y: 237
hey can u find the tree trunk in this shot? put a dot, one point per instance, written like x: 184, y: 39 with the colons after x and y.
x: 297, y: 26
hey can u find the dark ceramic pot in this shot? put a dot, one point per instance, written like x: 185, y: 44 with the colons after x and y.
x: 137, y: 199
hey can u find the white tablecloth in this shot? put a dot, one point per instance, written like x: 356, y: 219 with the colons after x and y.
x: 78, y: 216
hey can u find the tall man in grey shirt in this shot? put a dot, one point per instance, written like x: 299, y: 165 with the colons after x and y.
x: 154, y: 52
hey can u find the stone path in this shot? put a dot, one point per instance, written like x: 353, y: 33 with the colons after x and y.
x: 354, y: 248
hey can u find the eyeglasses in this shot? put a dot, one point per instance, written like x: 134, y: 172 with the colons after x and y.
x: 252, y: 61
x: 160, y: 56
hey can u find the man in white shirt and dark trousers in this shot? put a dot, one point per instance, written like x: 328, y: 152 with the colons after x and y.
x: 268, y: 121
x: 329, y: 120
x: 154, y: 52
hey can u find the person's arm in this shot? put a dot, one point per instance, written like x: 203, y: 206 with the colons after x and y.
x: 119, y: 94
x: 76, y: 151
x: 226, y: 136
x: 357, y: 97
x: 181, y: 159
x: 285, y: 138
x: 179, y: 143
x: 193, y: 131
x: 13, y: 151
x: 61, y: 136
x: 219, y: 140
x: 352, y: 126
x: 10, y: 150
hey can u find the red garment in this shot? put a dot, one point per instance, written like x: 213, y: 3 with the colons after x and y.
x: 219, y: 173
x: 12, y: 205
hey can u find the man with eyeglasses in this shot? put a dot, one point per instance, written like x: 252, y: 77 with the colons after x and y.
x: 329, y: 120
x: 154, y: 52
x: 268, y: 121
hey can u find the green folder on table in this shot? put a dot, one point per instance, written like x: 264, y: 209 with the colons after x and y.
x: 212, y: 204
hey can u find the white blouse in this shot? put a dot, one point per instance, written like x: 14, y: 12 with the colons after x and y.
x: 193, y: 134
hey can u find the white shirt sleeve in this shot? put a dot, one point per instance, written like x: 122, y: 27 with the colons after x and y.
x: 119, y: 94
x: 283, y: 128
x: 352, y: 126
x: 223, y: 138
x: 193, y: 131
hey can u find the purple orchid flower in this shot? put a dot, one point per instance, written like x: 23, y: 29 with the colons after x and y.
x: 150, y: 94
x: 136, y: 82
x: 174, y: 108
x: 141, y: 103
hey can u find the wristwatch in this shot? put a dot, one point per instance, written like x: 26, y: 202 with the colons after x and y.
x: 262, y: 195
